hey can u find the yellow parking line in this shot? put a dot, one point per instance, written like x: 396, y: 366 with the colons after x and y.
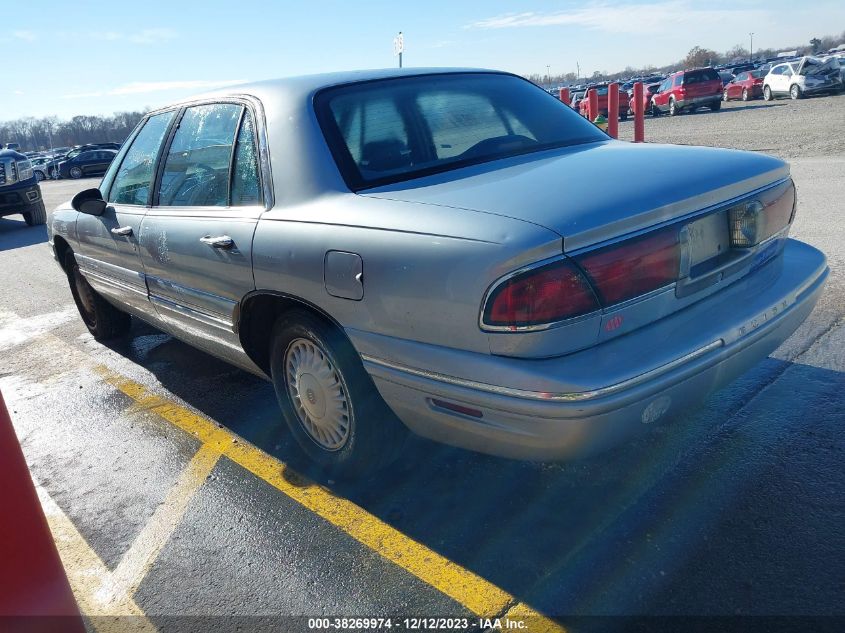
x: 138, y: 560
x: 474, y: 592
x: 87, y: 573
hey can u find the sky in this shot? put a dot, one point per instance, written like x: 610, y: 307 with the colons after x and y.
x: 83, y: 57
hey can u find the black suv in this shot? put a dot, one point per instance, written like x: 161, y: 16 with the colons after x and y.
x: 53, y: 165
x: 19, y: 190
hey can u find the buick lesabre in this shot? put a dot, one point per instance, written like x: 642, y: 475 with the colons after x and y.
x: 453, y: 252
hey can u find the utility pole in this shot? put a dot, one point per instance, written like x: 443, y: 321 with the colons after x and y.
x: 578, y: 67
x: 751, y: 50
x: 549, y: 76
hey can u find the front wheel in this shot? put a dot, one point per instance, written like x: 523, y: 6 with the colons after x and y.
x: 39, y: 175
x: 328, y: 401
x: 795, y: 91
x: 715, y: 106
x: 767, y: 93
x: 745, y: 96
x: 102, y: 319
x: 76, y: 173
x: 36, y: 215
x: 725, y: 95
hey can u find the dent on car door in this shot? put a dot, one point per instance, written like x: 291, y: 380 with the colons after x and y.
x: 108, y: 244
x: 196, y: 241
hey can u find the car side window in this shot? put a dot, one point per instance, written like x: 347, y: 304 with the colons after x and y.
x: 132, y: 182
x: 679, y: 80
x: 665, y: 85
x: 196, y: 170
x: 246, y: 183
x: 741, y: 77
x: 787, y: 70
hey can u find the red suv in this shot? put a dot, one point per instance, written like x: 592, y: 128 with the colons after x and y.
x: 688, y: 90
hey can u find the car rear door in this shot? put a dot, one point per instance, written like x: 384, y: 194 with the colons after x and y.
x: 107, y: 253
x: 196, y: 241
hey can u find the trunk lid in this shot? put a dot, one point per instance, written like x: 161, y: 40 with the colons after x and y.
x: 599, y: 191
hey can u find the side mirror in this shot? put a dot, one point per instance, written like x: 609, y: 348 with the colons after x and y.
x: 89, y: 201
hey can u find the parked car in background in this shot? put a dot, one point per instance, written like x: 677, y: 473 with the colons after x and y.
x: 575, y: 99
x: 746, y: 85
x: 19, y: 190
x: 726, y: 77
x: 53, y: 165
x: 689, y: 90
x: 465, y: 302
x: 807, y: 76
x: 39, y: 166
x: 648, y: 108
x: 602, y: 93
x: 87, y: 163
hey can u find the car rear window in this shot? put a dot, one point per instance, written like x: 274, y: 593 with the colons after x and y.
x: 699, y: 76
x: 397, y: 129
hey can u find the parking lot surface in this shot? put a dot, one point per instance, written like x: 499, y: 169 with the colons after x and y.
x: 175, y: 494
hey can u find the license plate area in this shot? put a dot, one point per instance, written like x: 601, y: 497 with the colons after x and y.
x: 708, y: 243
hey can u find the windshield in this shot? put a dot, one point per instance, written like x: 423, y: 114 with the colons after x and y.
x: 757, y: 74
x: 397, y: 129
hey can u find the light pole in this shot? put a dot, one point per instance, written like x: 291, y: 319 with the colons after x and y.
x: 578, y: 71
x: 548, y: 76
x: 399, y: 46
x: 751, y: 50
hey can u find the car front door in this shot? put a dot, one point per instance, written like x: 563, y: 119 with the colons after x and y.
x: 735, y: 87
x: 196, y: 241
x: 777, y: 81
x: 107, y: 253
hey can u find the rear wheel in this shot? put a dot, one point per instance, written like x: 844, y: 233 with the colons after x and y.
x: 716, y: 105
x: 745, y: 95
x: 102, y: 319
x: 795, y: 91
x: 767, y: 93
x: 328, y: 401
x: 725, y: 95
x: 623, y: 115
x: 39, y: 175
x: 673, y: 109
x: 36, y: 215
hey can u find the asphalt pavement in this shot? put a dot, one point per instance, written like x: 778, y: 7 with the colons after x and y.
x: 175, y: 492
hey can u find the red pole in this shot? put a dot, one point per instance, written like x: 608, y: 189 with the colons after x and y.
x: 639, y: 113
x: 564, y: 95
x: 34, y: 591
x: 592, y: 104
x: 613, y: 110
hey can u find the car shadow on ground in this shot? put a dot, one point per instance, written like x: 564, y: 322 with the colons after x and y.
x: 683, y: 519
x: 16, y: 233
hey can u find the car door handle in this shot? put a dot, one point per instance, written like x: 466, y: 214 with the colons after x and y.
x: 221, y: 241
x: 123, y: 230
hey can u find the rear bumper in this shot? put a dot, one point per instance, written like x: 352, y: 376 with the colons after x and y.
x: 698, y: 101
x: 18, y: 199
x: 545, y: 409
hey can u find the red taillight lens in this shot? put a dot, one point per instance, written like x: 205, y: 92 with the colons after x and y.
x: 633, y: 267
x: 540, y: 296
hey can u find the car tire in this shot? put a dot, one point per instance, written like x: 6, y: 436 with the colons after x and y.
x: 623, y: 116
x: 716, y: 105
x: 673, y: 109
x: 725, y: 95
x: 795, y: 92
x: 36, y: 215
x: 655, y: 111
x: 102, y: 319
x: 745, y: 95
x: 767, y: 93
x: 39, y: 176
x: 314, y: 368
x: 76, y: 173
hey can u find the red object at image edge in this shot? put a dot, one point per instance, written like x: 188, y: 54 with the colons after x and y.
x: 35, y: 594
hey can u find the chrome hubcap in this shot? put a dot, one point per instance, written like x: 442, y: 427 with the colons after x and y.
x: 317, y: 393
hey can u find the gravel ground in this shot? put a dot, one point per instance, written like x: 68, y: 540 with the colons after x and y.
x: 785, y: 128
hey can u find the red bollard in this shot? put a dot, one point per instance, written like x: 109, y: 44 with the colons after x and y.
x: 34, y: 592
x: 592, y: 104
x: 613, y: 110
x: 639, y: 113
x: 564, y: 95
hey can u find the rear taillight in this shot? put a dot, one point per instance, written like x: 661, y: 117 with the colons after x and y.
x: 759, y: 219
x: 539, y: 297
x: 633, y: 267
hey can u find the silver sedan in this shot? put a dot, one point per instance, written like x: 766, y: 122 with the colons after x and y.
x: 452, y: 252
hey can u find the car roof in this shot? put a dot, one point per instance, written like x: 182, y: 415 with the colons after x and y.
x: 303, y: 86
